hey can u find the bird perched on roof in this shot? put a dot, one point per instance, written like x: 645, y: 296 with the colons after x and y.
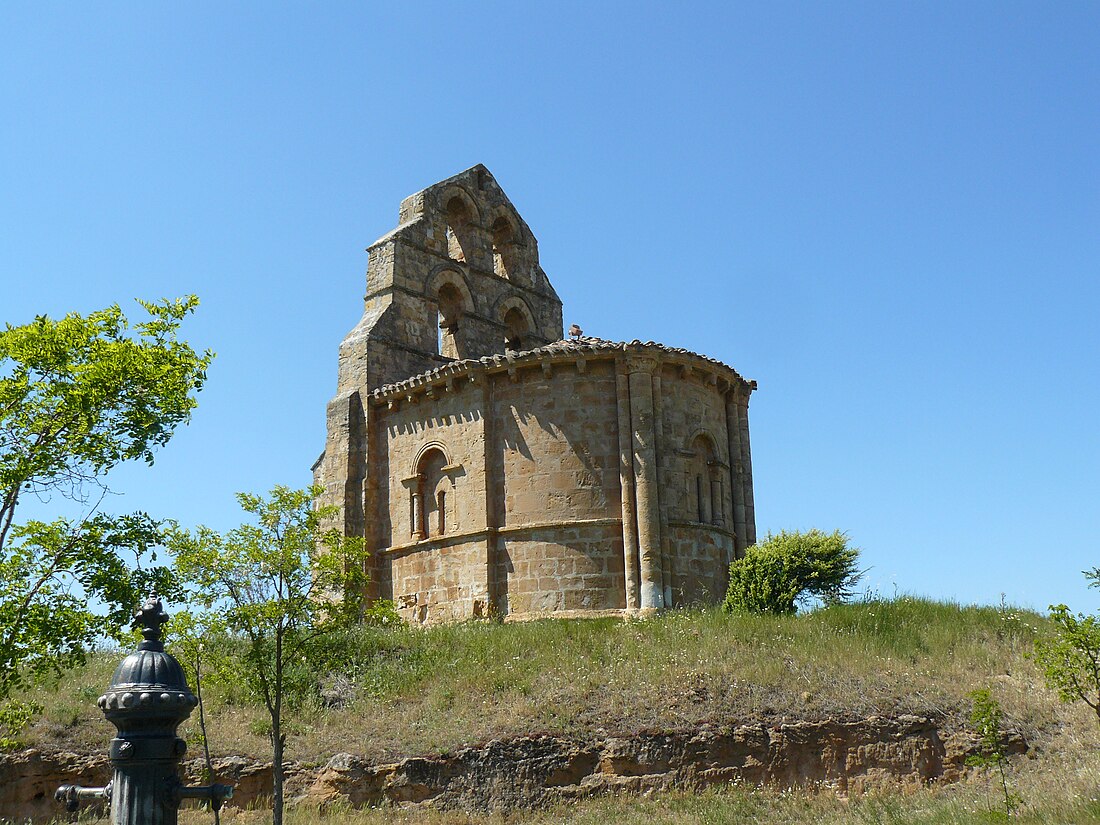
x: 575, y: 331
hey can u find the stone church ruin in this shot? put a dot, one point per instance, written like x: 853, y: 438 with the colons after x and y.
x: 495, y: 466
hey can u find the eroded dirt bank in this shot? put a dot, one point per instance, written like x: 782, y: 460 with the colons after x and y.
x: 534, y: 770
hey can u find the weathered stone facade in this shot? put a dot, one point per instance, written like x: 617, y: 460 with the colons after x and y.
x: 493, y: 466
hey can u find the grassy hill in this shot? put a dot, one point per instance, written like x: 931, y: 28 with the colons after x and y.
x: 403, y: 691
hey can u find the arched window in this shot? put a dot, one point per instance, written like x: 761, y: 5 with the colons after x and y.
x: 706, y: 503
x: 429, y: 504
x: 458, y: 228
x: 449, y: 300
x: 516, y: 330
x: 504, y: 248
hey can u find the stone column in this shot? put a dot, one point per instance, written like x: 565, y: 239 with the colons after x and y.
x: 659, y: 448
x: 418, y: 509
x: 493, y: 591
x: 651, y: 590
x: 626, y: 484
x: 344, y: 472
x: 344, y: 462
x: 733, y: 432
x: 372, y: 432
x: 717, y: 500
x: 746, y: 468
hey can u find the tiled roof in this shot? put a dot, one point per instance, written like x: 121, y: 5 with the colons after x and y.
x: 568, y: 347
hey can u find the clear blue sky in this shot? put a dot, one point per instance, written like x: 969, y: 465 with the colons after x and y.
x: 886, y: 213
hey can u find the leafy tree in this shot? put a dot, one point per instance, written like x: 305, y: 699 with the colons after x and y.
x: 79, y: 396
x: 774, y: 576
x: 986, y: 716
x: 1070, y: 659
x: 283, y: 583
x: 188, y: 636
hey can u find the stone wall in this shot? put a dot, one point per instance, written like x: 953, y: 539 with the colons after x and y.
x: 700, y: 562
x: 561, y: 567
x: 440, y: 580
x: 452, y: 423
x: 849, y: 757
x: 555, y: 454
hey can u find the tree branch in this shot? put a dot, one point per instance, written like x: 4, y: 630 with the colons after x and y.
x: 11, y: 499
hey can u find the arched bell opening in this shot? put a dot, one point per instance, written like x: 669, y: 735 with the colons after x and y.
x: 460, y: 228
x: 506, y: 252
x: 449, y: 303
x: 517, y: 332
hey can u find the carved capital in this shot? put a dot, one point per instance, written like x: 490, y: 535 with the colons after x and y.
x: 641, y: 363
x: 737, y: 394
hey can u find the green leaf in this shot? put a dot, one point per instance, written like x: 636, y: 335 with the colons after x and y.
x: 78, y: 396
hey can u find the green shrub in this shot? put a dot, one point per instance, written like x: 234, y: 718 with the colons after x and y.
x: 382, y: 613
x: 985, y: 717
x: 774, y: 576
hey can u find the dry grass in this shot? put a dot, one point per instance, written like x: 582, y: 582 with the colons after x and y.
x: 432, y: 690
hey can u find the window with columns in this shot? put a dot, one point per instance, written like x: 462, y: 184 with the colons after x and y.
x: 429, y: 497
x: 706, y: 493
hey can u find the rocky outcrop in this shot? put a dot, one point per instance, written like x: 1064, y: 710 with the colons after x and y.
x: 29, y: 778
x: 850, y: 756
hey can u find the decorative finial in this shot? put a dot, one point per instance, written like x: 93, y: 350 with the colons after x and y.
x: 151, y: 616
x: 575, y: 332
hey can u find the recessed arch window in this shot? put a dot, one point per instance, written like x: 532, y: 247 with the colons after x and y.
x: 459, y: 219
x: 705, y: 494
x: 505, y: 259
x: 430, y: 499
x: 517, y: 331
x: 449, y: 302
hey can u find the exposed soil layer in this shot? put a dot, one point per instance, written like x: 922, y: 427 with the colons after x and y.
x: 850, y: 756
